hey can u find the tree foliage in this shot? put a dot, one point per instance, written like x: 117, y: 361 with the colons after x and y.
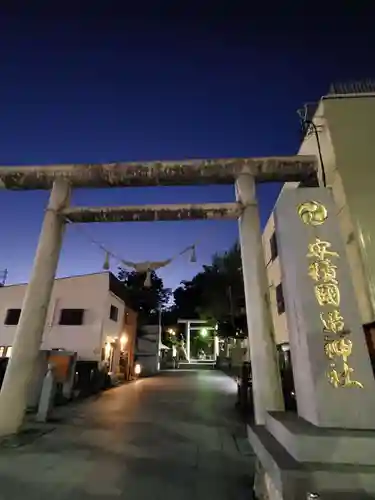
x: 215, y: 294
x: 146, y: 301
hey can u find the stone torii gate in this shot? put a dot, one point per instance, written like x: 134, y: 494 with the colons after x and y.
x: 188, y: 328
x: 61, y: 179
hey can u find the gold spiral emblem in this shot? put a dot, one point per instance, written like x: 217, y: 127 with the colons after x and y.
x: 312, y: 213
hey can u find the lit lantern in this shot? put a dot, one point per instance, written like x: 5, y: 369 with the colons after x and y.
x: 107, y: 350
x: 137, y: 369
x: 123, y: 341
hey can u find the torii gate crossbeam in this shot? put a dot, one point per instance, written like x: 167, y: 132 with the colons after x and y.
x: 160, y: 173
x: 154, y: 213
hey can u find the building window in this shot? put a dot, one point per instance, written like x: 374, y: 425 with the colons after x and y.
x: 113, y: 313
x: 71, y: 317
x: 280, y: 299
x: 273, y: 246
x: 12, y: 317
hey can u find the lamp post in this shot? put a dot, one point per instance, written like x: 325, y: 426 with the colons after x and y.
x: 204, y: 332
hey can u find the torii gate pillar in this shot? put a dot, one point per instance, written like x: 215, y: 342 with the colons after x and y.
x: 267, y: 393
x: 187, y: 332
x: 29, y: 335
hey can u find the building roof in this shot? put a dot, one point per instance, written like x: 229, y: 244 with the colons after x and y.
x: 353, y: 87
x: 117, y: 287
x: 60, y: 278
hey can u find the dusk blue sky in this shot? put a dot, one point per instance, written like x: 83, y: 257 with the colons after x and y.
x: 100, y: 85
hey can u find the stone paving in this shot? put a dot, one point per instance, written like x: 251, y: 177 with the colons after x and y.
x: 174, y: 436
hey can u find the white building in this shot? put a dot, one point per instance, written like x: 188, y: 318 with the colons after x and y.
x: 87, y: 315
x: 344, y: 123
x: 148, y: 349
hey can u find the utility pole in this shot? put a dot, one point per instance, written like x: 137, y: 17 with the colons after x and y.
x: 3, y: 277
x: 231, y: 308
x: 159, y: 334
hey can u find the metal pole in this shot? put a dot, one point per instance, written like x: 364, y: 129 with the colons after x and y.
x: 188, y: 340
x: 322, y: 167
x: 160, y: 342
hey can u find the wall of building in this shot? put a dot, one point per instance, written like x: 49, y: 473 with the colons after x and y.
x: 130, y: 330
x: 339, y: 120
x: 112, y: 329
x: 351, y: 122
x: 119, y: 334
x: 344, y: 127
x: 274, y: 279
x: 83, y: 292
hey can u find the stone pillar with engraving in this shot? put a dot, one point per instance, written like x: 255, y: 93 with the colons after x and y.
x: 330, y: 444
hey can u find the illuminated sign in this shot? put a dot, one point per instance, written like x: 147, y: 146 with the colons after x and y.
x: 322, y: 269
x: 312, y: 213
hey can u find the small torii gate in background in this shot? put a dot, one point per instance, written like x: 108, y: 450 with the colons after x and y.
x: 198, y: 325
x: 61, y: 179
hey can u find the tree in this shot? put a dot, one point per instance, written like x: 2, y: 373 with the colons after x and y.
x: 146, y: 301
x: 215, y: 294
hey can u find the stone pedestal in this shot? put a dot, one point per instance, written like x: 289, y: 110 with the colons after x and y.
x: 300, y: 457
x: 47, y: 396
x: 334, y: 381
x: 329, y: 447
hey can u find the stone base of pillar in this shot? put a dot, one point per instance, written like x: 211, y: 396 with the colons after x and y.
x: 264, y: 488
x: 298, y: 459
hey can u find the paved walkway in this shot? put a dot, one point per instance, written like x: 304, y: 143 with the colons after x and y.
x: 175, y: 436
